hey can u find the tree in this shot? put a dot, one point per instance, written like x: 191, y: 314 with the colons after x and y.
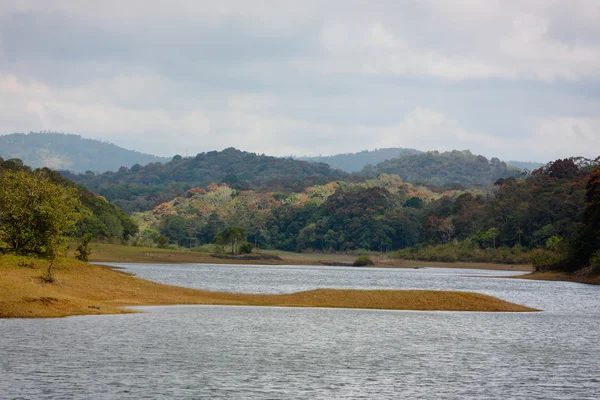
x: 35, y: 214
x: 587, y: 240
x: 231, y: 236
x: 83, y: 249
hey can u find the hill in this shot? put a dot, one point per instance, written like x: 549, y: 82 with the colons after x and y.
x: 61, y: 151
x: 354, y: 162
x: 440, y: 169
x: 144, y: 187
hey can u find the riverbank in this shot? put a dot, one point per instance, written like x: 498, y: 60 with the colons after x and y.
x: 105, y: 252
x: 84, y: 289
x: 560, y: 276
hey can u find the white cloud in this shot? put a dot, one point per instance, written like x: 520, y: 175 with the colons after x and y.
x: 321, y: 77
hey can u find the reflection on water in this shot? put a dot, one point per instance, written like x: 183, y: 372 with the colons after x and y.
x: 253, y: 352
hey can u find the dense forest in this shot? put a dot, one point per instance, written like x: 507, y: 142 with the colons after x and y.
x: 61, y: 151
x: 386, y: 213
x: 98, y: 217
x: 141, y: 188
x: 355, y: 162
x: 439, y: 169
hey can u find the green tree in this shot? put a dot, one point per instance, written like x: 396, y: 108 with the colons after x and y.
x: 231, y: 236
x: 35, y: 214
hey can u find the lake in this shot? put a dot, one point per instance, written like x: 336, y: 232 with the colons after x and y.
x: 271, y: 353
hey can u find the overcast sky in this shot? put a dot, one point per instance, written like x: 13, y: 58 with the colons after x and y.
x: 514, y: 79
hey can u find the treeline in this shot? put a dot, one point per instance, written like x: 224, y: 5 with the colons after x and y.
x: 141, y: 188
x: 98, y: 217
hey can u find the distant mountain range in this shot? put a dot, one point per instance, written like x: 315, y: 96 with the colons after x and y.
x: 61, y: 151
x: 74, y: 153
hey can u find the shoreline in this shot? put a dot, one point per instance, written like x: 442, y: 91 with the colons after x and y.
x: 87, y: 289
x: 111, y: 253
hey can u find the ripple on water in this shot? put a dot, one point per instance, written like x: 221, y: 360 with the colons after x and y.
x: 253, y: 352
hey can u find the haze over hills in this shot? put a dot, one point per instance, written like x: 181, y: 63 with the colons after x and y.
x: 355, y: 162
x: 61, y: 151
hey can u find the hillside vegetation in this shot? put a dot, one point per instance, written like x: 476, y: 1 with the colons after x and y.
x: 142, y: 188
x: 439, y: 169
x: 59, y: 151
x: 97, y: 216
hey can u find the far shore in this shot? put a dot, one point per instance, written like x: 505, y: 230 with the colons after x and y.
x: 104, y: 252
x: 87, y: 289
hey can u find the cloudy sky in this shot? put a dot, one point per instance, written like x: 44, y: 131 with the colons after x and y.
x: 514, y: 79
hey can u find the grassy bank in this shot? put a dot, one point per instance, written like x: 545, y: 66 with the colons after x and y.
x: 561, y: 276
x: 82, y: 289
x: 105, y: 252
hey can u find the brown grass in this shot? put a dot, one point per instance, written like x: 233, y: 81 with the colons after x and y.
x: 560, y: 276
x: 105, y: 252
x: 82, y: 288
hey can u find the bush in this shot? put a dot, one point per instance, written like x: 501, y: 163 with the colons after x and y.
x: 595, y: 261
x: 83, y: 249
x: 543, y: 260
x: 161, y: 241
x: 361, y: 261
x: 245, y: 248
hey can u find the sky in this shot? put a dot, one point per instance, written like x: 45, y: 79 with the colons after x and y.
x: 515, y: 79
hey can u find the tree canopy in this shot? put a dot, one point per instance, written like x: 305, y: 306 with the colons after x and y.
x: 35, y: 214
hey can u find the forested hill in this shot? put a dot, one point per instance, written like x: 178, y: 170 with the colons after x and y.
x: 354, y: 162
x: 440, y: 169
x: 98, y: 217
x: 61, y: 151
x: 142, y: 188
x: 554, y: 213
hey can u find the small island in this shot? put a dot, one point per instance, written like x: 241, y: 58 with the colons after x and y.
x: 84, y: 289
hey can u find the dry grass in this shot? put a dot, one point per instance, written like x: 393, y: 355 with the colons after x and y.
x: 401, y: 263
x: 560, y: 276
x: 88, y: 289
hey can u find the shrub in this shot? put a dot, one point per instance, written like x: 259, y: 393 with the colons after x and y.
x: 595, y: 261
x: 161, y: 241
x: 83, y: 249
x: 361, y: 261
x: 245, y: 248
x: 49, y: 276
x: 543, y: 259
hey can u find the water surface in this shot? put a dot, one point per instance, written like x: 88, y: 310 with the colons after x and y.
x: 267, y: 353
